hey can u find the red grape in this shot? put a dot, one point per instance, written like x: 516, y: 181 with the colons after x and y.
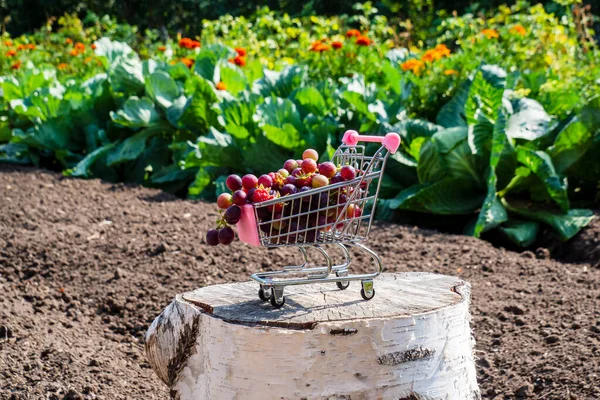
x: 348, y: 172
x: 233, y: 215
x: 226, y: 235
x: 310, y: 153
x: 304, y: 180
x: 233, y: 182
x: 249, y: 181
x: 212, y: 237
x: 290, y: 165
x: 240, y: 197
x: 283, y: 172
x: 224, y: 200
x: 266, y: 181
x: 327, y: 169
x: 291, y: 180
x: 309, y: 165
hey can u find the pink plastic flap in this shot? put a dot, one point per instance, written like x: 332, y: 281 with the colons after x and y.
x: 246, y: 226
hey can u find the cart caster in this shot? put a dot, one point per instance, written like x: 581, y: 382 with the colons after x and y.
x: 277, y: 298
x: 367, y: 291
x: 343, y: 285
x: 264, y: 294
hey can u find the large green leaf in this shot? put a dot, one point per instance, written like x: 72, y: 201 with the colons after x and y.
x: 541, y: 165
x: 452, y: 114
x: 198, y: 114
x: 566, y: 225
x: 131, y: 148
x: 571, y: 143
x: 309, y: 100
x: 530, y: 121
x: 431, y: 166
x: 5, y: 131
x: 112, y: 50
x: 521, y: 233
x: 232, y: 76
x: 217, y: 149
x: 83, y: 168
x: 51, y: 135
x: 481, y: 111
x: 281, y: 122
x: 162, y: 88
x: 207, y: 60
x: 280, y: 84
x: 127, y: 76
x: 492, y: 211
x: 448, y: 196
x: 414, y: 128
x: 136, y: 113
x: 201, y: 182
x: 16, y: 153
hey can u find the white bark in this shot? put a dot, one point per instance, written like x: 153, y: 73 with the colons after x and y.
x: 412, y: 339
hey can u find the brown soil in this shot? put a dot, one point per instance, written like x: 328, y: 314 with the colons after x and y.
x: 86, y: 266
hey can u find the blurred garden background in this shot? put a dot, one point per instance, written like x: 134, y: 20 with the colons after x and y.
x: 497, y: 104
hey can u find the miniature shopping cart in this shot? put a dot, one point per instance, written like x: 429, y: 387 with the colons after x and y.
x: 337, y: 215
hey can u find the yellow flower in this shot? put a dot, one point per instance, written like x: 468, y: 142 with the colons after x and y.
x: 490, y: 33
x: 519, y: 29
x: 450, y: 72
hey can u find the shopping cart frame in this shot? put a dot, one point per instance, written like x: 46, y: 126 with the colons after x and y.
x: 343, y: 233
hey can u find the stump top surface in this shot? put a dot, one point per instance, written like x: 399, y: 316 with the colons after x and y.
x: 397, y: 294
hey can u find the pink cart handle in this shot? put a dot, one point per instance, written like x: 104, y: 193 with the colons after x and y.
x: 391, y: 141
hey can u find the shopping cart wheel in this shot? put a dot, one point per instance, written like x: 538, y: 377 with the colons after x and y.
x: 277, y: 298
x: 364, y: 295
x: 264, y: 295
x: 367, y: 291
x: 343, y: 285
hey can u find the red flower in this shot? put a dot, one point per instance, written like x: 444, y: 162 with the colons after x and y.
x: 188, y: 62
x: 238, y: 60
x: 336, y: 45
x: 363, y: 41
x: 353, y: 32
x: 69, y: 41
x: 221, y: 86
x: 11, y: 53
x: 194, y: 44
x: 241, y: 51
x: 74, y: 53
x: 189, y: 43
x: 31, y: 46
x: 16, y: 65
x: 162, y: 48
x: 80, y: 46
x: 93, y: 46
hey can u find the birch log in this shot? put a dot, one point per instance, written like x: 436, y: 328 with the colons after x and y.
x: 412, y: 341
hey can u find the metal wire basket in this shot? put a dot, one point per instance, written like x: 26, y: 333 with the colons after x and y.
x: 338, y: 214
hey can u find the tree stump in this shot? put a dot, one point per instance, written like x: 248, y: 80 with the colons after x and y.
x: 412, y: 341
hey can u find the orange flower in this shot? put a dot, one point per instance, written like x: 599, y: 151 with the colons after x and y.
x: 74, y: 53
x: 69, y: 41
x: 221, y: 86
x: 363, y: 41
x: 80, y: 47
x: 188, y: 62
x: 450, y: 72
x: 93, y: 46
x: 87, y: 60
x: 8, y: 43
x: 189, y: 43
x: 490, y: 33
x: 241, y: 51
x: 353, y: 32
x: 336, y: 45
x: 319, y: 46
x: 11, y: 53
x: 519, y: 29
x: 162, y: 48
x: 238, y: 60
x: 413, y: 65
x: 16, y: 65
x: 63, y: 66
x: 21, y: 47
x: 431, y: 56
x: 442, y: 50
x: 31, y: 46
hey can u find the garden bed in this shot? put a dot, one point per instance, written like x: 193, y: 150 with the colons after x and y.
x: 86, y: 266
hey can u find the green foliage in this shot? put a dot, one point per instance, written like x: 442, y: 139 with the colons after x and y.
x: 514, y: 145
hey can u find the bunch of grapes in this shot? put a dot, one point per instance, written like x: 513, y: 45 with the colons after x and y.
x: 296, y: 176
